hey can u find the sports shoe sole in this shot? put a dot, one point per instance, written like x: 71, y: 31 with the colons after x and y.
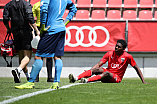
x: 15, y: 74
x: 17, y: 87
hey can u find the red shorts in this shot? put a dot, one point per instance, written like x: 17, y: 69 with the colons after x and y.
x: 115, y: 78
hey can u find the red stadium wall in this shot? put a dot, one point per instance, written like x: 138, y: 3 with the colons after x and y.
x: 101, y: 36
x: 3, y: 32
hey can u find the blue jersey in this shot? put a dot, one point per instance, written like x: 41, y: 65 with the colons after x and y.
x: 52, y: 11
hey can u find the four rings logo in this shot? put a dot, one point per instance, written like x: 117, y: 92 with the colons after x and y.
x: 92, y: 36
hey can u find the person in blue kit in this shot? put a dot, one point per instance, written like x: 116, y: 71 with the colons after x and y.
x: 52, y: 39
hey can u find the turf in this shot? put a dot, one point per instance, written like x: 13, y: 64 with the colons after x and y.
x: 129, y: 91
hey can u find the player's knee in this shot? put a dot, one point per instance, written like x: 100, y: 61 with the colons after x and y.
x: 105, y: 77
x: 106, y: 74
x: 96, y: 71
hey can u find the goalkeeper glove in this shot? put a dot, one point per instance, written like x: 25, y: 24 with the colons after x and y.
x: 43, y: 29
x: 66, y: 21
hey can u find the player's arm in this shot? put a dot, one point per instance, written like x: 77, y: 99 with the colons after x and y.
x: 98, y: 65
x: 29, y: 13
x: 102, y: 61
x: 30, y: 17
x: 35, y: 28
x: 139, y: 73
x: 43, y: 15
x: 72, y: 10
x: 6, y: 17
x: 135, y: 66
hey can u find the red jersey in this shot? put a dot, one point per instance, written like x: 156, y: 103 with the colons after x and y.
x: 117, y: 64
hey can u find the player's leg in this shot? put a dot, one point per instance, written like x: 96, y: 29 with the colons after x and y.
x: 97, y: 72
x: 17, y: 71
x: 17, y: 43
x: 24, y: 60
x: 87, y: 74
x: 22, y: 41
x: 58, y: 48
x: 104, y: 77
x: 108, y: 77
x: 37, y: 78
x: 58, y: 70
x: 49, y: 65
x: 36, y: 67
x: 25, y: 70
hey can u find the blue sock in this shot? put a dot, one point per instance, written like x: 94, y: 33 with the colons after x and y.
x: 36, y: 67
x: 58, y: 70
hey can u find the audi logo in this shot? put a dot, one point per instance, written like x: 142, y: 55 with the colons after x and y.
x: 92, y: 40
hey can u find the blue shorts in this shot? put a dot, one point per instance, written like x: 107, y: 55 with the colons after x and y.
x: 51, y: 45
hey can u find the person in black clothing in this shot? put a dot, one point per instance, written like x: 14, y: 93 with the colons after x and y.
x: 19, y: 13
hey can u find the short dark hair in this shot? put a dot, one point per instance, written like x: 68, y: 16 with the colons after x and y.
x: 123, y: 42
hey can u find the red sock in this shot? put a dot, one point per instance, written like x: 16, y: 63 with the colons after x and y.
x: 85, y: 74
x: 94, y: 78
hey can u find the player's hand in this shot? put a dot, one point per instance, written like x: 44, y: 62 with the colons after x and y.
x: 9, y: 30
x: 43, y: 29
x: 38, y: 33
x: 66, y: 22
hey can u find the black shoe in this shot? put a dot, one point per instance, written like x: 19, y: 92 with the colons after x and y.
x: 27, y: 78
x: 50, y: 80
x: 37, y: 80
x: 16, y: 75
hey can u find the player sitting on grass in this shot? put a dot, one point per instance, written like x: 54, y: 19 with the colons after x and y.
x: 118, y: 61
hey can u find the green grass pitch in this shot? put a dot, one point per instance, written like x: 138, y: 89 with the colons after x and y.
x: 129, y: 91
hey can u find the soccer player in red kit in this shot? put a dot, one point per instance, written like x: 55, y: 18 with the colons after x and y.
x: 118, y: 61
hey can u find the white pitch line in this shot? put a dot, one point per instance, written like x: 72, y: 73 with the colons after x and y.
x: 35, y: 93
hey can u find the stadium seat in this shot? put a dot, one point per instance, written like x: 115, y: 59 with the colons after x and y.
x: 113, y: 15
x: 82, y: 15
x: 145, y: 15
x: 99, y: 3
x: 130, y: 3
x: 129, y: 15
x: 65, y: 14
x: 98, y: 15
x: 4, y: 2
x: 1, y: 13
x: 114, y: 3
x: 73, y: 1
x: 155, y: 15
x: 155, y: 3
x: 146, y: 3
x: 83, y: 3
x: 33, y: 2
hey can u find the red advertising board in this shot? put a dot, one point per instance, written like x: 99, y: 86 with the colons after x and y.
x: 3, y: 32
x: 93, y: 36
x: 142, y: 36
